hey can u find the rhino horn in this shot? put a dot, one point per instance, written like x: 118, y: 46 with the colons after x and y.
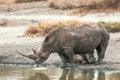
x: 28, y: 56
x: 34, y: 51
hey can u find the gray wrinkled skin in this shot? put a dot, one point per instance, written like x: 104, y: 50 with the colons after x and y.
x: 67, y: 41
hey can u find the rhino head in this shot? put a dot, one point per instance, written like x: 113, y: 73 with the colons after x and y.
x: 38, y: 57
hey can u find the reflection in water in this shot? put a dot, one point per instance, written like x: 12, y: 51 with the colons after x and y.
x: 70, y: 74
x: 114, y: 76
x: 67, y: 75
x: 39, y: 76
x: 52, y: 73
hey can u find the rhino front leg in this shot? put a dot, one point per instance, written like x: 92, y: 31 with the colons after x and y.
x: 69, y: 55
x: 64, y: 59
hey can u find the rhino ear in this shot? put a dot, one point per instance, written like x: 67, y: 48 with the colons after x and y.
x: 47, y: 38
x: 34, y: 51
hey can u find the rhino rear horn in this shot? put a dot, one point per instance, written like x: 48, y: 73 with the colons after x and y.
x: 34, y: 51
x: 28, y: 56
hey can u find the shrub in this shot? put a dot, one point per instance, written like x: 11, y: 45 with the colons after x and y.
x: 60, y: 4
x: 42, y: 28
x: 111, y: 26
x: 106, y: 4
x: 92, y: 4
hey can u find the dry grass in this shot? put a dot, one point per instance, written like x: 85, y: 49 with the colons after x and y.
x: 28, y: 0
x: 111, y: 26
x: 21, y: 6
x: 16, y: 1
x: 105, y: 4
x: 60, y: 4
x: 91, y: 4
x: 64, y: 4
x: 42, y: 28
x: 3, y: 22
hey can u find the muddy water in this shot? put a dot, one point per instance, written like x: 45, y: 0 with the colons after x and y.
x: 54, y: 73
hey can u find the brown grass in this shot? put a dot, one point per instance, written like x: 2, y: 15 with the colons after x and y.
x: 17, y: 1
x: 63, y: 4
x: 60, y: 4
x: 3, y: 22
x: 20, y: 6
x: 42, y: 28
x: 111, y: 26
x: 100, y: 6
x: 91, y: 4
x: 104, y: 4
x: 28, y: 0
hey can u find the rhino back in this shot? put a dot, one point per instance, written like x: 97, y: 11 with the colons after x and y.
x: 83, y: 39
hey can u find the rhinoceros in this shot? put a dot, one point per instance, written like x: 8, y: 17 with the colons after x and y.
x: 67, y: 41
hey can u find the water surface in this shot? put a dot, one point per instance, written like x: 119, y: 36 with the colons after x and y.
x: 54, y: 73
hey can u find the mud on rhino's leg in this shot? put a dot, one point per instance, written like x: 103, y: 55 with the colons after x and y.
x: 101, y: 52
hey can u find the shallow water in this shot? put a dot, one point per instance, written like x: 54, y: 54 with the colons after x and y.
x: 54, y: 73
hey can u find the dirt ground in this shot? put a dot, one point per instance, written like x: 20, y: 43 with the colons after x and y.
x: 40, y: 7
x: 11, y: 39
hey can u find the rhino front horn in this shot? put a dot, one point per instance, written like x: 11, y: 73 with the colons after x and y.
x: 28, y: 56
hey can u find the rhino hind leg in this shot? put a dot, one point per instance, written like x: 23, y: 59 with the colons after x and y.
x: 90, y: 58
x: 101, y: 52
